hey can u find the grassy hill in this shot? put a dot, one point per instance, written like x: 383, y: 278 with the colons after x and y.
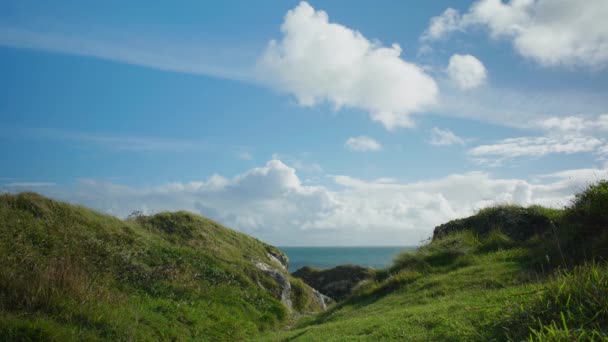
x: 507, y: 273
x: 69, y: 273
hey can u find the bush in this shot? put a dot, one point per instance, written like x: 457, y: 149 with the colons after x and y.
x: 590, y: 210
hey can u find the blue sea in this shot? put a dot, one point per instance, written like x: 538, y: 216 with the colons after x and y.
x: 327, y: 257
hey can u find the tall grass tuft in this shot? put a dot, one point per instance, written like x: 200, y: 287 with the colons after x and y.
x: 572, y: 307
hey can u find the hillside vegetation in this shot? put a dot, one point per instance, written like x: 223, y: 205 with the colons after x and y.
x: 507, y: 273
x: 70, y: 273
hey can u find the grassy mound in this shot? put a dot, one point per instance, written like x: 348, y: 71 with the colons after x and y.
x: 516, y: 222
x: 69, y: 273
x: 507, y: 273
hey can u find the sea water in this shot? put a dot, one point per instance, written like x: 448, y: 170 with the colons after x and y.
x: 327, y: 257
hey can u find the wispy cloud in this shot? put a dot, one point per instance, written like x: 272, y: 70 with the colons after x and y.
x: 440, y: 137
x: 244, y: 155
x: 29, y: 184
x: 516, y: 108
x: 362, y: 144
x: 176, y: 57
x: 560, y: 135
x: 534, y: 147
x: 115, y: 142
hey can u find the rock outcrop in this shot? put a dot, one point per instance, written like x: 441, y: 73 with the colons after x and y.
x: 322, y: 299
x: 277, y: 261
x: 281, y: 279
x: 277, y: 256
x: 337, y: 282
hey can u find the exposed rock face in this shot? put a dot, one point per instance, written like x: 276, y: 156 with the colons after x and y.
x: 322, y: 299
x: 277, y: 256
x: 281, y: 279
x: 276, y: 260
x: 516, y: 222
x: 336, y: 282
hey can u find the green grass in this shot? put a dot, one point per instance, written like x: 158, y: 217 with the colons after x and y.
x: 69, y: 273
x: 492, y: 296
x: 505, y: 274
x: 461, y: 304
x: 483, y: 279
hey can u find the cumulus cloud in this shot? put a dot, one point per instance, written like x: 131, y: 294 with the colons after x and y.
x: 440, y: 26
x: 440, y: 137
x: 319, y: 61
x: 466, y: 71
x: 362, y: 144
x: 272, y: 203
x: 566, y: 32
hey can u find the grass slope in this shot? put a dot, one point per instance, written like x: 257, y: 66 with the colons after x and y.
x: 69, y: 273
x: 483, y: 279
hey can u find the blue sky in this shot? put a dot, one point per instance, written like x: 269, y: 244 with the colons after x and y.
x: 313, y: 123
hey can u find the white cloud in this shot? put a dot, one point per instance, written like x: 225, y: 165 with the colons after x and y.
x: 300, y: 162
x: 561, y: 135
x: 466, y: 71
x: 272, y: 203
x: 569, y: 123
x: 362, y: 144
x: 441, y: 26
x: 536, y: 146
x: 568, y: 32
x: 574, y: 123
x: 307, y: 167
x: 318, y: 61
x: 440, y: 137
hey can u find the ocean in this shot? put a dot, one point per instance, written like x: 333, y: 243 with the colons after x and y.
x: 327, y: 257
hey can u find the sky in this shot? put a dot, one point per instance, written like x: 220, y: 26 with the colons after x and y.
x: 320, y: 123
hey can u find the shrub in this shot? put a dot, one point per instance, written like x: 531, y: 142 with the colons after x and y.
x: 590, y: 210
